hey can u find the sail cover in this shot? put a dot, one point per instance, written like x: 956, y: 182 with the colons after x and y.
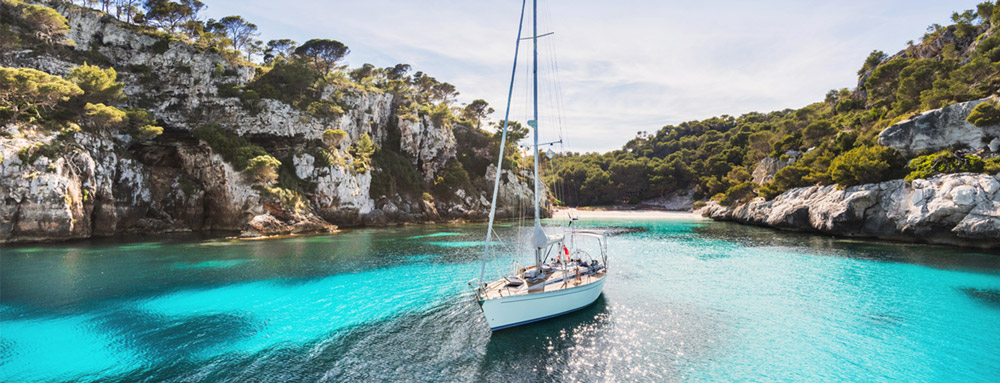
x: 539, y: 239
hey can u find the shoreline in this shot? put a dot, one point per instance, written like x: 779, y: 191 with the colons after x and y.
x: 557, y: 213
x: 564, y: 213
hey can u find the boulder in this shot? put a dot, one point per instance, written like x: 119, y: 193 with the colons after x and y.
x: 940, y: 129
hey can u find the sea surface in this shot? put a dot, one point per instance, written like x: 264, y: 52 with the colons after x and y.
x: 685, y: 300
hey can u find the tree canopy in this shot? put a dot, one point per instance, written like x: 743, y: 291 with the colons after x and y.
x: 99, y: 85
x: 24, y: 88
x: 240, y: 32
x: 323, y: 54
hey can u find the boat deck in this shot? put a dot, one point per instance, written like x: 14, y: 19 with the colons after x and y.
x: 552, y: 281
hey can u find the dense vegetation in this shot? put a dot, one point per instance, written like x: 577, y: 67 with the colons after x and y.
x: 833, y: 141
x: 89, y: 96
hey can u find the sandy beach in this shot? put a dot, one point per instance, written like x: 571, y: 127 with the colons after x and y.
x: 565, y: 213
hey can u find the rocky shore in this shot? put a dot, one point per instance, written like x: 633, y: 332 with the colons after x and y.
x: 954, y: 209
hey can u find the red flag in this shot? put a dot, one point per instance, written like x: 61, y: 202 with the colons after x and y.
x: 566, y: 251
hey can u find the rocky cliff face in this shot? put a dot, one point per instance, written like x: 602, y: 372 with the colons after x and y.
x: 956, y: 209
x: 941, y: 129
x: 110, y: 184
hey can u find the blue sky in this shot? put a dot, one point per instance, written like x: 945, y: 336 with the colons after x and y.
x: 623, y: 66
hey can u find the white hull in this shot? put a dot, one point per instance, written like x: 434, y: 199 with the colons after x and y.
x: 516, y: 310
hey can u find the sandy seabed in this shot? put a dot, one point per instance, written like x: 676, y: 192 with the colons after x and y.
x: 565, y: 213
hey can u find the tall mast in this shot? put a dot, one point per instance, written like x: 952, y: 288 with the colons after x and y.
x: 540, y: 239
x: 534, y: 71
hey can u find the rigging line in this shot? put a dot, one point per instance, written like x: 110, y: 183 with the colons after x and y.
x: 554, y: 86
x: 551, y: 82
x: 503, y: 140
x: 563, y: 146
x: 555, y: 81
x: 558, y: 91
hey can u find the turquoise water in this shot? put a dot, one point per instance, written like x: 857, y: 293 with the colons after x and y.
x: 685, y: 301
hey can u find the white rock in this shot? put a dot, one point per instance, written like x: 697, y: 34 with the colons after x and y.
x: 938, y: 129
x: 303, y: 165
x: 989, y: 185
x: 963, y: 195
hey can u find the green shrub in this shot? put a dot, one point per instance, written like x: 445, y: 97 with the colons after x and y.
x: 333, y: 137
x: 991, y: 166
x: 290, y: 199
x: 698, y: 205
x: 98, y: 85
x: 141, y: 124
x: 233, y: 148
x: 786, y: 143
x: 291, y: 82
x: 29, y: 154
x: 263, y: 168
x: 985, y: 114
x: 102, y: 116
x: 872, y: 61
x: 48, y: 23
x: 394, y: 174
x: 28, y: 90
x: 362, y: 152
x: 817, y: 131
x: 147, y: 132
x: 138, y: 117
x: 68, y: 132
x: 441, y: 114
x: 162, y: 45
x: 943, y: 162
x: 324, y: 109
x: 452, y: 178
x: 322, y: 157
x: 738, y: 194
x: 865, y: 165
x: 789, y: 177
x: 229, y: 90
x: 9, y: 40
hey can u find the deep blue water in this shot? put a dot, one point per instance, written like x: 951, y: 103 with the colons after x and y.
x: 685, y: 301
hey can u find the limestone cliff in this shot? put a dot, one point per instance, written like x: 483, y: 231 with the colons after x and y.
x: 103, y: 184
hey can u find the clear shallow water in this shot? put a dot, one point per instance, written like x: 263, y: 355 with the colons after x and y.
x: 685, y: 301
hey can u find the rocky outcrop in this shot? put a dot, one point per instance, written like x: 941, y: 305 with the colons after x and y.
x: 940, y: 129
x: 956, y: 209
x: 101, y: 184
x: 766, y: 169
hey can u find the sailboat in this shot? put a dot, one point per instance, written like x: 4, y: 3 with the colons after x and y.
x: 563, y: 277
